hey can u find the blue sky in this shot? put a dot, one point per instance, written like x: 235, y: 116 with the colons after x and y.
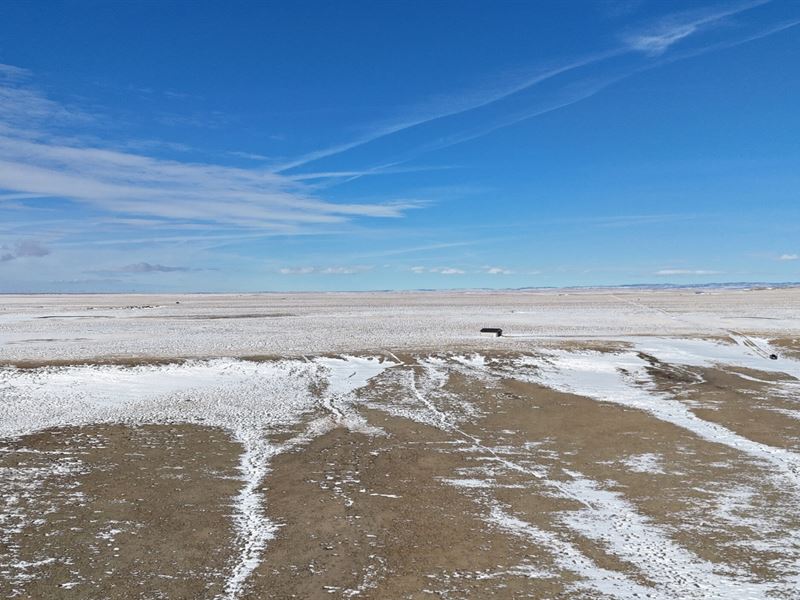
x: 239, y: 146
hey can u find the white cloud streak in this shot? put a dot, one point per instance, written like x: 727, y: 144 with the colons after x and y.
x: 685, y: 272
x: 330, y: 270
x: 658, y: 38
x: 34, y: 161
x: 439, y: 270
x: 448, y: 106
x: 13, y: 73
x: 651, y: 40
x: 145, y: 267
x: 139, y: 185
x: 498, y: 271
x: 486, y: 270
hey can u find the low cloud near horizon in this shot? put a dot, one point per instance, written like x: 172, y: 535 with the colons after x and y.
x: 687, y: 272
x: 23, y: 248
x: 145, y: 267
x: 339, y: 270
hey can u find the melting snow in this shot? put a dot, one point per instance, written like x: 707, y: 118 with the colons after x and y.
x: 250, y: 398
x: 622, y: 378
x: 645, y: 463
x: 349, y: 373
x: 746, y: 353
x: 247, y: 398
x: 570, y: 558
x: 677, y: 573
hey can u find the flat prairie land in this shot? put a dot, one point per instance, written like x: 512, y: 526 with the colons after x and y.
x: 621, y: 443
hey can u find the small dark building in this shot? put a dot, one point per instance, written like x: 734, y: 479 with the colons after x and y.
x: 493, y: 331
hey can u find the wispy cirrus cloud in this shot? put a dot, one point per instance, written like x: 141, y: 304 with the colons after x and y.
x: 13, y: 73
x: 579, y: 76
x: 220, y: 202
x: 351, y: 175
x: 23, y: 107
x: 451, y: 105
x: 658, y: 37
x: 788, y: 257
x: 134, y: 184
x: 250, y: 156
x: 35, y: 160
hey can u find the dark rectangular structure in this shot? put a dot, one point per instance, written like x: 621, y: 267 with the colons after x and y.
x: 493, y: 331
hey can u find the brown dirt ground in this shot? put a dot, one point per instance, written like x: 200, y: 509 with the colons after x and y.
x: 377, y: 514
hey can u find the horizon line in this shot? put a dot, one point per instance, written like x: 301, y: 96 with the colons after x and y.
x: 643, y: 286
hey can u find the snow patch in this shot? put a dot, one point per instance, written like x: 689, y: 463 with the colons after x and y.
x: 569, y: 558
x: 676, y: 572
x: 647, y: 462
x: 622, y: 378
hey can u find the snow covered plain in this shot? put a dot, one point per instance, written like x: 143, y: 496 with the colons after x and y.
x: 48, y: 328
x: 614, y: 444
